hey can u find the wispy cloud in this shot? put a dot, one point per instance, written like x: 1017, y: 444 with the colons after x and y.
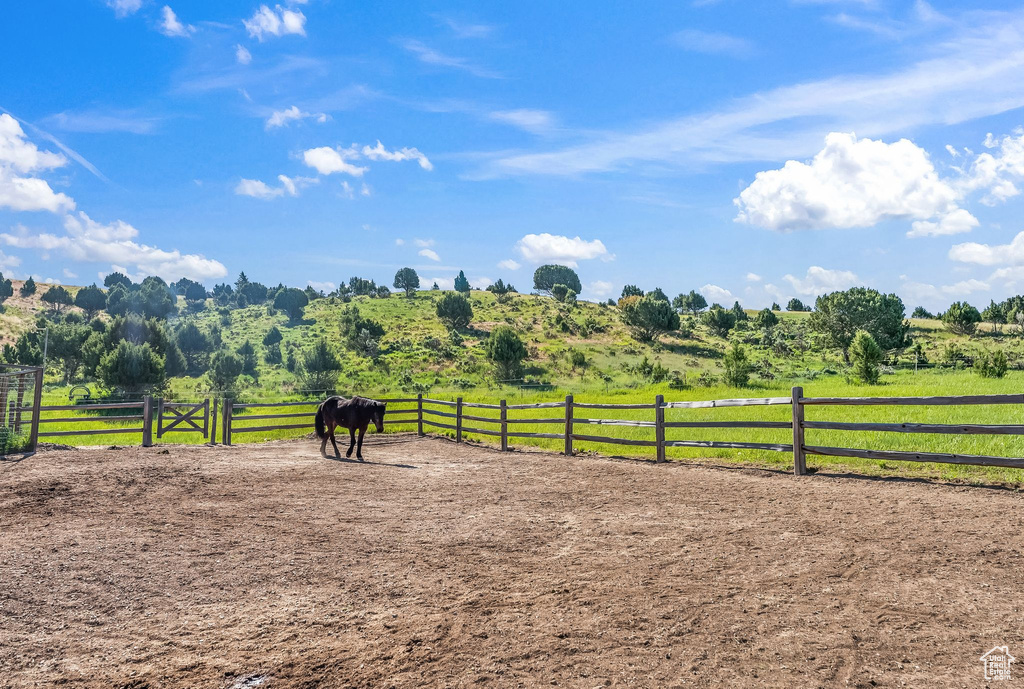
x: 103, y: 121
x: 978, y: 73
x: 465, y: 29
x: 430, y: 56
x: 713, y: 43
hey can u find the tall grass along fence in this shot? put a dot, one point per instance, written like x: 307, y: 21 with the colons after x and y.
x: 21, y: 388
x: 573, y: 425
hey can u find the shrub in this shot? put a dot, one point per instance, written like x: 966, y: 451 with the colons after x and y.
x: 131, y: 368
x: 225, y: 368
x: 28, y: 288
x: 547, y: 276
x: 319, y: 369
x: 718, y: 320
x: 91, y: 300
x: 737, y: 366
x: 506, y: 351
x: 455, y: 311
x: 991, y: 365
x: 840, y: 315
x: 292, y: 301
x: 961, y: 318
x: 57, y: 298
x: 865, y: 355
x: 649, y: 317
x: 461, y: 283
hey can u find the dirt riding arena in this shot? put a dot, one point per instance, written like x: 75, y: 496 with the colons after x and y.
x: 436, y: 564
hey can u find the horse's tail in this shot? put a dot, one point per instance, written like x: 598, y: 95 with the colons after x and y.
x: 321, y: 430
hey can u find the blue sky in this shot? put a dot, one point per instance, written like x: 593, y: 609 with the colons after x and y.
x: 752, y: 151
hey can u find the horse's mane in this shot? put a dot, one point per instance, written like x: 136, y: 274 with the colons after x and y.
x: 357, y: 401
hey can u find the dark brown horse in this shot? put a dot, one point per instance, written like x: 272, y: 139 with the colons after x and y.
x: 353, y: 414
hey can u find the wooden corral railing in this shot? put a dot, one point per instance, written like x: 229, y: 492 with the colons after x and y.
x: 568, y: 417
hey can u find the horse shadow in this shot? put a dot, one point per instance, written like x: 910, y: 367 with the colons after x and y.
x: 349, y: 460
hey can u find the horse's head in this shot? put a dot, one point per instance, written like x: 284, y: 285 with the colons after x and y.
x: 378, y: 416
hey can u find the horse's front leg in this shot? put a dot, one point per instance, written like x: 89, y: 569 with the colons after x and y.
x: 352, y: 444
x: 359, y: 450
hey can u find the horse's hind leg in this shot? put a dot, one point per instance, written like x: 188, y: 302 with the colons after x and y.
x: 323, y: 445
x: 352, y: 444
x: 337, y: 452
x: 359, y: 450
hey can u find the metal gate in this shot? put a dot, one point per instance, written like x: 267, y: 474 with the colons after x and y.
x: 183, y: 417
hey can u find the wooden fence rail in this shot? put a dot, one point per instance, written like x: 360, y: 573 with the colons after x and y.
x: 450, y: 415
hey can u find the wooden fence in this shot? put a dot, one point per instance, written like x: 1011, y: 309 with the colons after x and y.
x: 569, y: 417
x: 21, y: 389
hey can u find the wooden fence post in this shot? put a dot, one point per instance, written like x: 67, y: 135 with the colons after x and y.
x: 659, y: 426
x: 213, y: 422
x: 147, y: 421
x: 458, y: 419
x: 568, y: 425
x: 799, y: 457
x: 504, y: 426
x: 226, y: 432
x: 419, y: 414
x: 37, y: 403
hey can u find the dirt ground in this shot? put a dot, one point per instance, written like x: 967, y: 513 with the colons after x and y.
x: 436, y: 564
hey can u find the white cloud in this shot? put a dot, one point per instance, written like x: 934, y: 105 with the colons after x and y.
x: 957, y: 222
x: 509, y: 264
x: 716, y: 294
x: 19, y: 158
x: 279, y: 21
x: 89, y: 241
x: 1011, y: 254
x: 347, y: 191
x: 428, y: 55
x: 280, y: 118
x: 399, y: 242
x: 426, y: 243
x: 997, y: 172
x: 242, y: 54
x: 171, y: 26
x: 822, y: 281
x: 8, y: 262
x: 549, y: 248
x: 854, y: 183
x: 467, y: 30
x: 966, y: 287
x: 122, y: 8
x: 326, y: 161
x: 430, y: 253
x: 598, y: 289
x: 261, y: 190
x: 753, y: 277
x: 713, y: 43
x: 68, y: 274
x: 534, y: 121
x: 976, y: 72
x: 322, y: 286
x: 378, y: 152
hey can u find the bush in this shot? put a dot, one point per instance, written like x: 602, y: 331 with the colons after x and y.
x: 455, y: 311
x: 865, y: 355
x: 132, y: 368
x: 961, y: 318
x: 292, y: 301
x: 506, y: 351
x: 648, y: 317
x: 991, y: 365
x: 737, y: 366
x: 225, y: 368
x: 718, y: 320
x: 547, y: 276
x: 319, y: 369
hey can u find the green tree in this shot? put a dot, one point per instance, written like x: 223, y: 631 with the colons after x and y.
x: 194, y: 346
x: 737, y: 366
x: 649, y: 317
x: 319, y: 369
x: 796, y: 305
x: 250, y: 363
x: 361, y: 286
x: 273, y: 336
x: 91, y: 300
x: 461, y: 283
x: 292, y: 301
x: 66, y: 345
x: 121, y: 301
x: 57, y: 298
x: 158, y: 299
x: 455, y: 311
x: 738, y: 313
x: 118, y: 279
x: 506, y: 351
x: 407, y: 279
x: 631, y: 291
x: 692, y: 303
x: 839, y: 315
x: 994, y: 314
x: 195, y: 295
x: 132, y: 368
x: 922, y: 312
x: 547, y: 276
x: 225, y: 368
x: 559, y: 292
x: 766, y: 319
x: 775, y: 306
x: 6, y: 289
x: 353, y: 324
x: 273, y: 353
x: 865, y: 355
x: 991, y: 364
x: 961, y: 318
x: 718, y: 320
x: 501, y: 291
x: 28, y: 288
x: 658, y: 293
